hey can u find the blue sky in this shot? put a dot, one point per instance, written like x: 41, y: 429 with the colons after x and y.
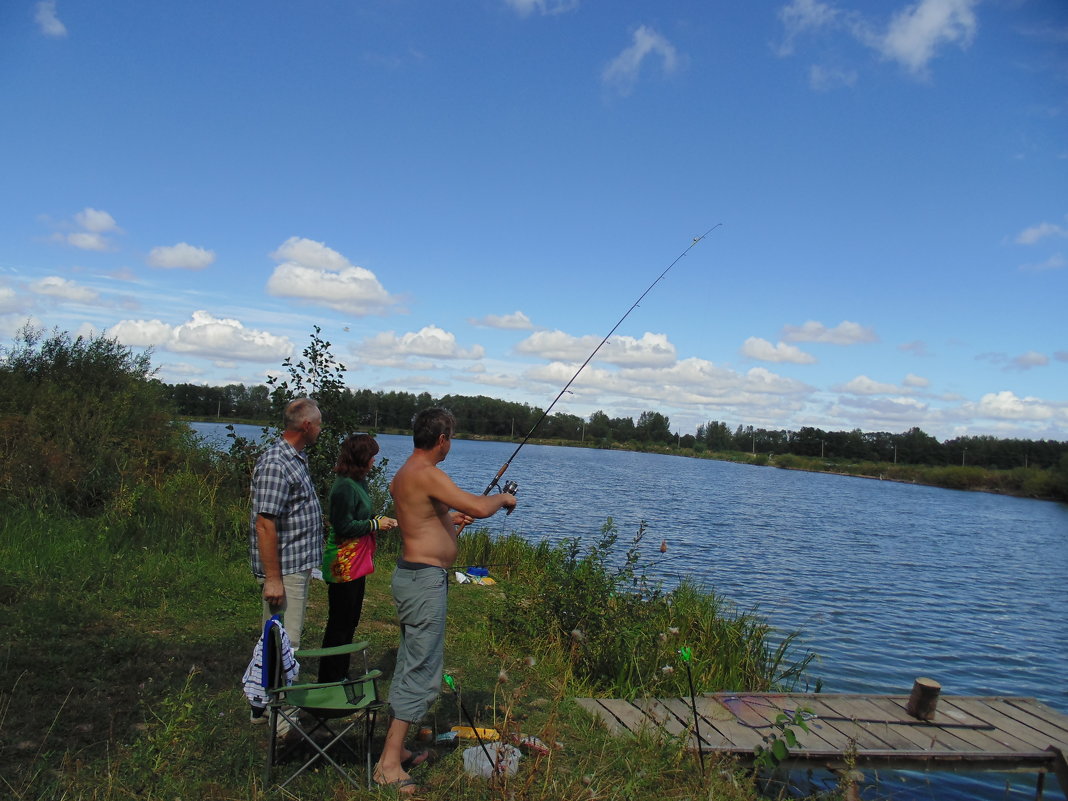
x: 466, y: 196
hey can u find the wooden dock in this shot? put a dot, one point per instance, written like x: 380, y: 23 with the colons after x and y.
x: 967, y: 733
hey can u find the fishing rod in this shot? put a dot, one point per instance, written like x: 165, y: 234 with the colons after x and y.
x: 510, y: 486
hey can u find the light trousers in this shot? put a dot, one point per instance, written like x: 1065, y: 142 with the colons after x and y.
x: 295, y: 605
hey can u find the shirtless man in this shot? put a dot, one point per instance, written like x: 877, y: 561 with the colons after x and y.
x: 429, y: 509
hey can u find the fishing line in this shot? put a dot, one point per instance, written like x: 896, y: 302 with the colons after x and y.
x: 511, y: 487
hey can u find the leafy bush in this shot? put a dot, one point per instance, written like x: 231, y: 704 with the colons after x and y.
x: 80, y: 417
x: 624, y: 633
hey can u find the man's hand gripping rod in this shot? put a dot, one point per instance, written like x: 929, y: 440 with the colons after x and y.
x: 512, y: 487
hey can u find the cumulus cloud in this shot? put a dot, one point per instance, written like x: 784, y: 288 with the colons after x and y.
x: 762, y: 350
x: 141, y: 333
x: 312, y: 272
x: 95, y: 220
x: 913, y: 37
x: 182, y: 256
x: 1006, y: 405
x: 690, y: 382
x: 622, y: 72
x: 916, y: 33
x: 204, y: 335
x: 388, y: 349
x: 10, y: 301
x: 94, y: 224
x: 803, y: 16
x: 845, y: 333
x: 651, y: 350
x: 1054, y: 262
x: 915, y: 381
x: 824, y: 79
x: 544, y: 7
x: 862, y: 385
x: 1035, y: 233
x: 49, y: 23
x: 87, y: 240
x: 1025, y: 361
x: 916, y: 348
x: 64, y: 289
x: 516, y: 321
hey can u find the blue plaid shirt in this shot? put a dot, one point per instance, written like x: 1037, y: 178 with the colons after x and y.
x: 282, y: 487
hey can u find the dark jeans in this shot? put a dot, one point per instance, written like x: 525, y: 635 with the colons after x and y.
x: 346, y: 603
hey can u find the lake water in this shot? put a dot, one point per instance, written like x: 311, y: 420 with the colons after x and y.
x: 886, y: 581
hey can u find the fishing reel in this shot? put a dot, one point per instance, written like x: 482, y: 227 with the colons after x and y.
x: 511, y: 487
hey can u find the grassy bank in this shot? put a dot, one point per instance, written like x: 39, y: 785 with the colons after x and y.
x: 122, y: 657
x: 128, y: 614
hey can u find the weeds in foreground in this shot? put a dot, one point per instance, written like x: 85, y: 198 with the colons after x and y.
x: 150, y: 662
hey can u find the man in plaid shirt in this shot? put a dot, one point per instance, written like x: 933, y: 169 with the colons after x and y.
x: 286, y: 530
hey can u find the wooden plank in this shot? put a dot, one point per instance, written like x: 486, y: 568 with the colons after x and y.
x: 997, y: 711
x: 629, y: 715
x: 1024, y: 735
x: 655, y: 710
x: 927, y: 738
x: 861, y: 707
x: 1058, y: 719
x: 682, y: 711
x: 595, y: 708
x: 974, y: 709
x: 1028, y: 713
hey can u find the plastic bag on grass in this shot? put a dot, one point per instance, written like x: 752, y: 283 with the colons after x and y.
x: 505, y: 760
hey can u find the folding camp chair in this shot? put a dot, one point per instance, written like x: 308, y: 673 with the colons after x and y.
x: 318, y: 718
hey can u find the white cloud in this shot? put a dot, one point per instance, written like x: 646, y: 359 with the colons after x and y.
x: 141, y: 333
x: 623, y: 70
x: 912, y: 38
x: 94, y: 224
x: 182, y: 369
x: 916, y: 382
x: 182, y: 256
x: 95, y: 220
x: 516, y: 321
x: 47, y: 21
x: 544, y: 7
x: 916, y: 348
x: 652, y: 350
x: 802, y: 16
x: 10, y: 301
x: 87, y: 240
x: 312, y: 272
x: 824, y: 79
x: 1007, y: 406
x: 917, y: 32
x: 430, y: 341
x: 64, y: 289
x: 690, y: 382
x: 1030, y: 236
x: 845, y: 333
x: 862, y: 385
x: 762, y: 350
x: 1054, y: 262
x: 204, y: 335
x: 1025, y: 361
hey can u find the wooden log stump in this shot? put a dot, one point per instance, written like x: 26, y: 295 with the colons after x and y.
x: 923, y: 699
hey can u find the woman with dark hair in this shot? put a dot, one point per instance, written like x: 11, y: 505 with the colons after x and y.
x: 348, y: 555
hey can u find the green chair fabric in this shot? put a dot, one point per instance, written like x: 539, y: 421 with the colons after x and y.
x: 314, y: 721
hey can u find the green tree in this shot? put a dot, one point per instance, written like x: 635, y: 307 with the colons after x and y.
x: 79, y: 416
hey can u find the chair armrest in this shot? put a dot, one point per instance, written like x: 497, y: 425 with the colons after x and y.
x: 349, y: 648
x: 369, y: 676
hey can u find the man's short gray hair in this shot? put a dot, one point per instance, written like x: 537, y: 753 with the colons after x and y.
x: 298, y: 411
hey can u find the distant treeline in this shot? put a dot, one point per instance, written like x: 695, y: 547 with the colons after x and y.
x: 481, y: 416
